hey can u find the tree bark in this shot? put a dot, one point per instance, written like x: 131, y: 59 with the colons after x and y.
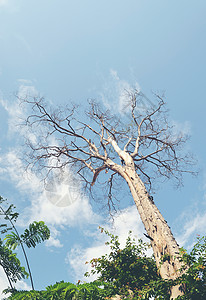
x: 158, y: 231
x: 162, y: 240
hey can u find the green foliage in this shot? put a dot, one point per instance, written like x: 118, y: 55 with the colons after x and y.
x: 130, y: 273
x: 129, y: 270
x: 8, y: 215
x: 64, y: 290
x: 35, y: 234
x: 12, y: 240
x: 11, y: 264
x: 194, y: 278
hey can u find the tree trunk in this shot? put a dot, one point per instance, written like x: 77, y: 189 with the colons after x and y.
x: 162, y: 240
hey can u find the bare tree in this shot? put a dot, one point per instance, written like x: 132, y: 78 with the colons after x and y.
x: 138, y: 146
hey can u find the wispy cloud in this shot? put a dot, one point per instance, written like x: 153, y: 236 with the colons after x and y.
x: 16, y: 110
x: 181, y: 128
x: 194, y: 225
x: 115, y: 91
x: 191, y: 222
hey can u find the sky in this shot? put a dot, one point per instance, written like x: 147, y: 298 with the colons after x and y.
x: 72, y: 51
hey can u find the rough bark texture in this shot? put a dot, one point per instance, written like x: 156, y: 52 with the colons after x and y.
x: 162, y: 240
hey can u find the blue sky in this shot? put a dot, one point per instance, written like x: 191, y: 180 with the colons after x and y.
x: 75, y: 50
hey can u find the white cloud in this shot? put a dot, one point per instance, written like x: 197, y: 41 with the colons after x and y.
x: 13, y: 166
x: 41, y: 207
x: 191, y: 223
x: 115, y: 92
x: 4, y: 284
x: 22, y: 285
x: 192, y: 227
x: 54, y: 241
x: 76, y: 214
x: 181, y: 128
x: 26, y: 89
x: 3, y: 281
x: 67, y: 205
x: 127, y: 219
x: 17, y: 111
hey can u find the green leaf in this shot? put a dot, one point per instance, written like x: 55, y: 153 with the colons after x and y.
x: 12, y: 240
x: 11, y: 264
x: 35, y: 234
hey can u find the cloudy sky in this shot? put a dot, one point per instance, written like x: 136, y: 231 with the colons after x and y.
x: 75, y: 50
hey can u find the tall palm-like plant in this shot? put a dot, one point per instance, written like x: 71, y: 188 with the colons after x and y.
x: 35, y: 234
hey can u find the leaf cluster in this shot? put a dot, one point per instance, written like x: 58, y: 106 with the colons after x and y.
x: 64, y: 290
x: 134, y: 275
x: 129, y: 270
x: 194, y: 277
x: 35, y: 234
x: 8, y: 215
x: 11, y: 264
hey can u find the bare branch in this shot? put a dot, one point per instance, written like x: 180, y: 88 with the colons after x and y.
x: 145, y: 142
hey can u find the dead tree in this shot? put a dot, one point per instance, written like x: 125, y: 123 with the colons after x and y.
x: 138, y: 146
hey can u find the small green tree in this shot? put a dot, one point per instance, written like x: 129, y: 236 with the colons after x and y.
x: 129, y: 270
